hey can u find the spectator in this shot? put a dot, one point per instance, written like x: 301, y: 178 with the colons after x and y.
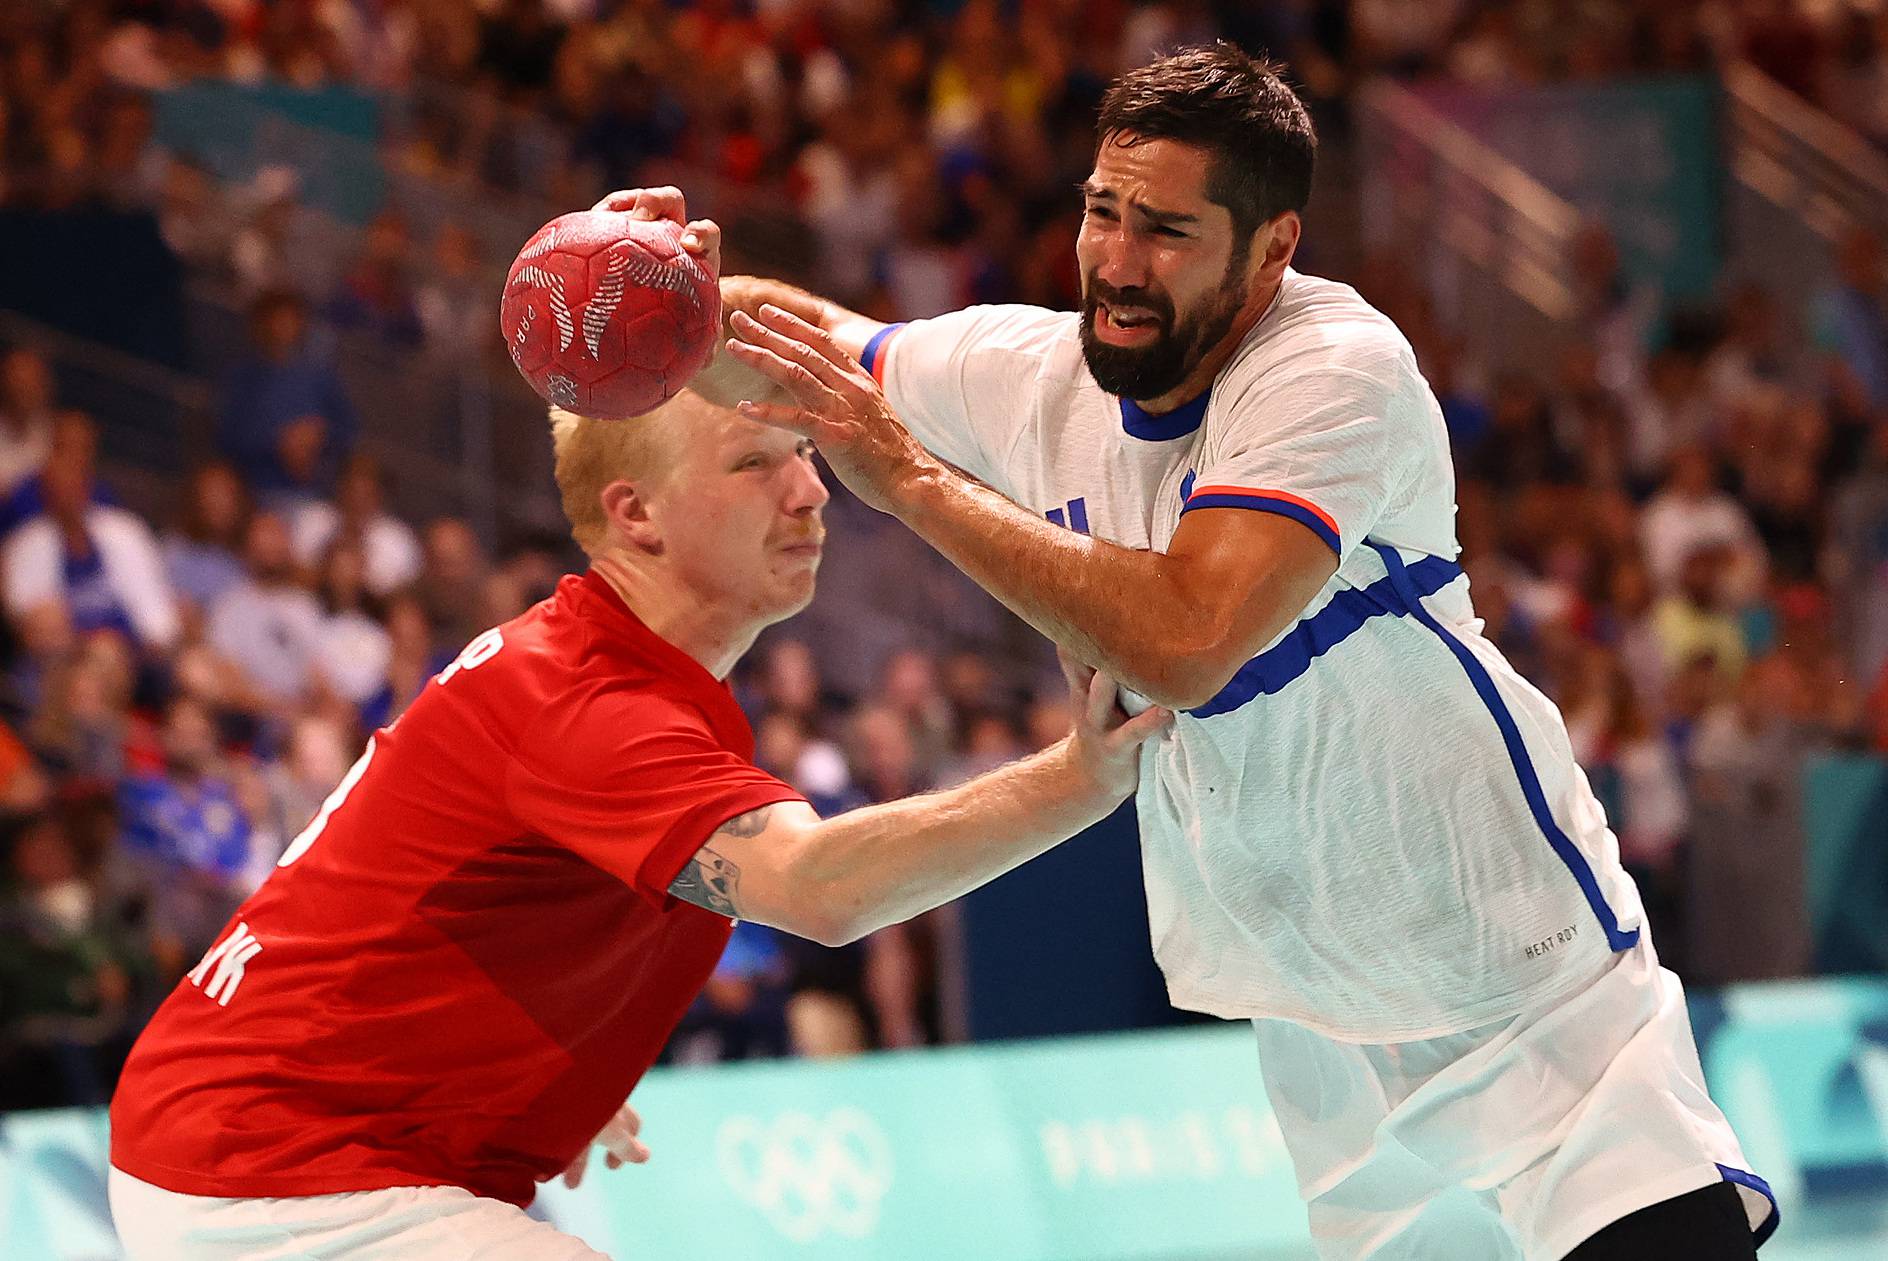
x: 1850, y: 324
x: 83, y: 727
x: 452, y: 584
x: 354, y: 650
x: 1670, y: 408
x: 316, y: 757
x: 191, y: 216
x: 100, y: 563
x: 911, y: 690
x: 375, y: 296
x: 1753, y: 353
x: 413, y: 658
x: 286, y: 423
x: 990, y: 740
x: 1614, y: 314
x: 269, y: 625
x: 1519, y: 447
x: 264, y: 254
x: 789, y: 682
x: 358, y: 515
x: 1859, y: 558
x: 1691, y: 622
x: 26, y: 398
x: 897, y: 986
x: 66, y: 977
x: 73, y: 441
x: 783, y: 746
x: 186, y: 831
x: 741, y: 1013
x: 202, y: 554
x: 454, y: 302
x: 1690, y: 513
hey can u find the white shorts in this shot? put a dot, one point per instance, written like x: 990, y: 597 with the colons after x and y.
x: 1512, y: 1142
x: 395, y: 1224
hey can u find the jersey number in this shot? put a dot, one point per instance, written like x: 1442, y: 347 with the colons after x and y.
x: 476, y: 654
x: 300, y: 844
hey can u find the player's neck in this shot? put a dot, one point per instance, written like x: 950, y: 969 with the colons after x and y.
x: 1199, y: 380
x: 703, y: 630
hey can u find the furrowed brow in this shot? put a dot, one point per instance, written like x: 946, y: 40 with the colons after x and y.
x: 1166, y: 216
x: 1097, y: 192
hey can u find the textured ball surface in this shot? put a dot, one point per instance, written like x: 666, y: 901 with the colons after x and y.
x: 606, y: 315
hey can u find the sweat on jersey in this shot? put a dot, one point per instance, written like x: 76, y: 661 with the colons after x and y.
x: 470, y: 956
x: 1377, y: 829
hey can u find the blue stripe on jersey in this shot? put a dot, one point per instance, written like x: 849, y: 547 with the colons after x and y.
x: 1262, y: 503
x: 868, y: 358
x: 1269, y: 672
x: 1744, y: 1178
x: 1078, y: 514
x: 1140, y: 423
x: 1410, y: 598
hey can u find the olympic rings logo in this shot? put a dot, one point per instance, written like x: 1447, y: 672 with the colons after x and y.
x: 808, y: 1175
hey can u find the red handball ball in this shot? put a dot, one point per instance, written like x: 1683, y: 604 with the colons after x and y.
x: 606, y: 315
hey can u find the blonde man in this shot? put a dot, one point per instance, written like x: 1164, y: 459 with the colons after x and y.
x: 462, y: 966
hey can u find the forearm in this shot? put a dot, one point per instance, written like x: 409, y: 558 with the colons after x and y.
x: 1125, y: 612
x: 884, y: 864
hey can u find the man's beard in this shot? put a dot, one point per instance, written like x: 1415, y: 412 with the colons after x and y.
x: 1148, y: 372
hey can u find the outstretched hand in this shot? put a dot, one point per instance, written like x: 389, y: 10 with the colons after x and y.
x: 1106, y: 744
x: 835, y: 402
x: 619, y: 1142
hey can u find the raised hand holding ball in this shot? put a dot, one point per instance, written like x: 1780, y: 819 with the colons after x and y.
x: 609, y: 311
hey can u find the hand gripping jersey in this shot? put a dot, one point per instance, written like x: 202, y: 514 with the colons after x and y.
x: 466, y: 961
x: 1377, y: 829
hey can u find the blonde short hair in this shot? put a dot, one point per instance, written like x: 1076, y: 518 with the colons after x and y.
x: 592, y: 453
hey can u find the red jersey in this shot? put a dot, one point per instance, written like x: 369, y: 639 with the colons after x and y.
x: 470, y: 956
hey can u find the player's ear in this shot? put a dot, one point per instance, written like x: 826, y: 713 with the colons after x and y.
x: 627, y: 513
x: 1273, y: 245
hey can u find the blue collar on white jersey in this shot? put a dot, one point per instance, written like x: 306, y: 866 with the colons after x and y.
x: 1178, y: 423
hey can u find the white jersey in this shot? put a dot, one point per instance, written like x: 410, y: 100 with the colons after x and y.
x: 1377, y: 829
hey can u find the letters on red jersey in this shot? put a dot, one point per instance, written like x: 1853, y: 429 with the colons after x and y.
x: 469, y: 957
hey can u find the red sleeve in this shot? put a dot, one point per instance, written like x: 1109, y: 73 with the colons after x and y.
x: 634, y: 783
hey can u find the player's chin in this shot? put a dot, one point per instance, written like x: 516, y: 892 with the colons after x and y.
x: 793, y: 584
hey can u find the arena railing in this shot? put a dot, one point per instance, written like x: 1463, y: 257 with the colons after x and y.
x: 1494, y: 243
x: 1803, y: 161
x: 151, y: 419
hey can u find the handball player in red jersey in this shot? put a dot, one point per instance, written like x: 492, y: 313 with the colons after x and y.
x: 446, y: 991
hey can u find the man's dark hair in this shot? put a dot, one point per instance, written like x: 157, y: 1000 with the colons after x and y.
x: 1235, y: 106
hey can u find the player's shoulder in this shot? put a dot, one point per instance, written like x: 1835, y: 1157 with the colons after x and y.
x: 1010, y: 329
x: 1319, y: 325
x: 579, y: 681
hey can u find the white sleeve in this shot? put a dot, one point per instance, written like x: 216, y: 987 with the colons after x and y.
x: 962, y: 383
x: 136, y: 569
x: 1330, y: 446
x: 32, y: 567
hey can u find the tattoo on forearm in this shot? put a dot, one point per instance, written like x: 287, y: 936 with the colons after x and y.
x: 710, y: 882
x: 753, y: 823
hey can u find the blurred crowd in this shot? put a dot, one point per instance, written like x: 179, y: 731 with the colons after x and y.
x: 916, y: 154
x: 1679, y: 529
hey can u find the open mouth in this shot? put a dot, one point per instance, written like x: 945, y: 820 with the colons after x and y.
x: 1126, y: 324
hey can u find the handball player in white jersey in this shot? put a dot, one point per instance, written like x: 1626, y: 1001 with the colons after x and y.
x: 1225, y: 483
